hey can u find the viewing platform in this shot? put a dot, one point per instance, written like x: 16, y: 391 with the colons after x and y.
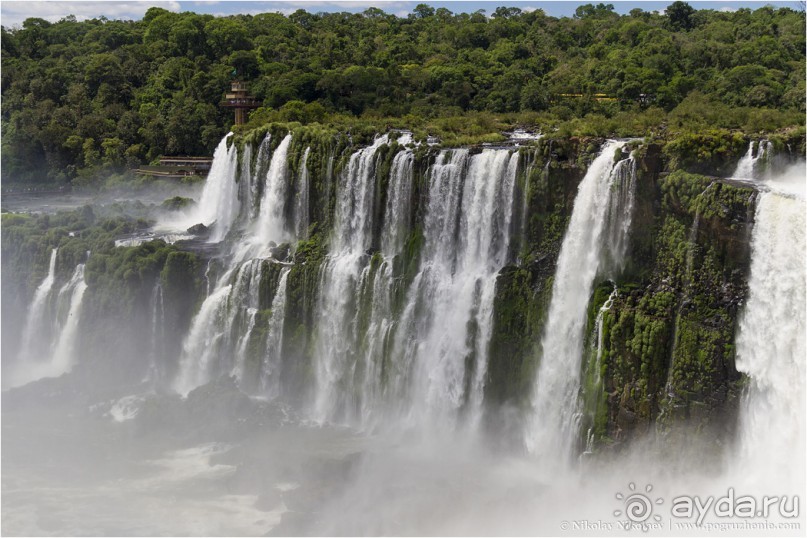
x: 240, y: 99
x: 177, y: 167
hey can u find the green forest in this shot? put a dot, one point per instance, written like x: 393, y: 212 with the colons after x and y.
x: 82, y: 99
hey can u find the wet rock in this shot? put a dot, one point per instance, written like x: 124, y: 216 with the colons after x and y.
x: 281, y: 252
x: 199, y: 230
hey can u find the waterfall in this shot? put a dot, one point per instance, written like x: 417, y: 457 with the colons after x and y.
x: 336, y: 324
x: 619, y: 215
x: 593, y: 371
x: 271, y: 224
x: 273, y: 361
x: 525, y: 202
x: 433, y: 354
x: 258, y: 175
x: 246, y: 185
x: 220, y: 332
x: 555, y: 391
x: 399, y: 194
x: 201, y: 344
x: 751, y: 164
x: 53, y: 353
x: 216, y: 342
x: 219, y: 201
x: 243, y: 305
x: 63, y: 353
x: 446, y: 323
x: 771, y: 344
x: 301, y: 211
x: 33, y: 330
x: 156, y: 350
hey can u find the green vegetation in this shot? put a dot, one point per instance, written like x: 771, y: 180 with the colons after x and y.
x: 89, y: 98
x: 121, y: 280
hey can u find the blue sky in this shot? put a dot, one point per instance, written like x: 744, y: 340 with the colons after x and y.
x: 13, y: 13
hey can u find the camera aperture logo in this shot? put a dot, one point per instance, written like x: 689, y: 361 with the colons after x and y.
x: 637, y: 507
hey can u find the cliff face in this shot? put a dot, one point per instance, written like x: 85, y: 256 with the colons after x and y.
x: 660, y: 324
x: 660, y: 336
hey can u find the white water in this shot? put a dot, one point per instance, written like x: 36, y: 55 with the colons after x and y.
x: 335, y: 360
x: 271, y: 225
x: 553, y: 426
x: 61, y: 354
x: 219, y: 201
x: 399, y: 194
x: 301, y: 216
x: 220, y: 332
x: 32, y: 332
x: 441, y: 344
x: 619, y: 216
x: 771, y: 344
x: 429, y: 360
x: 273, y: 360
x: 56, y: 356
x: 201, y: 344
x: 156, y: 351
x: 219, y: 335
x: 751, y: 164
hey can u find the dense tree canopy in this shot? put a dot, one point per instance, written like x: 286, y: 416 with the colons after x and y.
x: 79, y: 95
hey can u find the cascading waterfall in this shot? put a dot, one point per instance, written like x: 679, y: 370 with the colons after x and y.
x: 200, y: 346
x: 271, y: 371
x: 337, y: 332
x: 446, y: 323
x: 220, y: 332
x: 434, y: 359
x: 36, y: 312
x: 555, y: 394
x: 71, y: 294
x: 258, y: 176
x: 594, y: 371
x: 246, y: 185
x: 378, y: 283
x: 525, y: 200
x: 399, y: 203
x: 271, y: 224
x: 619, y: 215
x: 243, y: 307
x: 156, y: 351
x: 771, y: 345
x: 218, y: 205
x: 751, y: 164
x: 301, y: 217
x: 54, y: 355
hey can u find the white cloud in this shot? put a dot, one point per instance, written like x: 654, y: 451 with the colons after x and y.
x: 728, y: 9
x: 13, y: 13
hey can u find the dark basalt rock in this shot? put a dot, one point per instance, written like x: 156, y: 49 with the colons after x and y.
x: 200, y: 230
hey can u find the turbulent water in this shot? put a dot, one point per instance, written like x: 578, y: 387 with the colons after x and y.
x: 771, y: 345
x: 368, y: 416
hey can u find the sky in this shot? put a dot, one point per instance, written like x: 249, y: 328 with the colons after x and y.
x: 12, y: 13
